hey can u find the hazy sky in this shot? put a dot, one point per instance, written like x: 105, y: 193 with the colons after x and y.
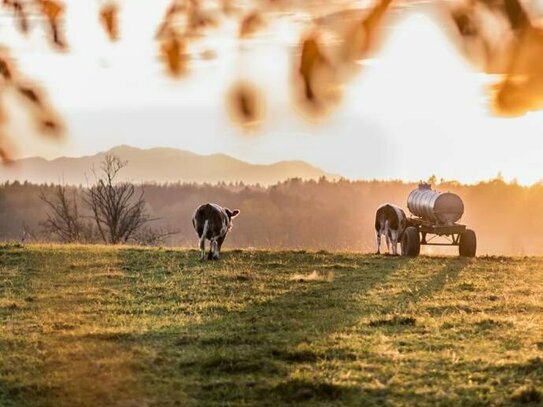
x: 414, y: 110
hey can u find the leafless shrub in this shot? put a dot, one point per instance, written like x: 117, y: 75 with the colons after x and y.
x: 64, y: 218
x: 28, y: 234
x: 117, y: 208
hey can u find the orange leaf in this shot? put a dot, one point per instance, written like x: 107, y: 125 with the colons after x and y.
x: 173, y: 53
x: 250, y: 24
x: 109, y: 19
x: 52, y: 9
x: 245, y: 105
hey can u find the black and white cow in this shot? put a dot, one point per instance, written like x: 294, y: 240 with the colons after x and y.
x: 390, y: 220
x: 212, y: 222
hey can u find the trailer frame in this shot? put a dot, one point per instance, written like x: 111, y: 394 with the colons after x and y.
x: 427, y: 228
x: 418, y: 230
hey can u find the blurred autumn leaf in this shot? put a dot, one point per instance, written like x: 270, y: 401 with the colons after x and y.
x: 510, y: 45
x: 53, y: 11
x: 173, y: 52
x: 498, y: 36
x: 250, y: 24
x: 18, y: 9
x: 245, y: 105
x: 109, y: 19
x: 31, y: 97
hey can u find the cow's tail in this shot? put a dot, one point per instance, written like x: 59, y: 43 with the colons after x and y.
x: 205, y: 229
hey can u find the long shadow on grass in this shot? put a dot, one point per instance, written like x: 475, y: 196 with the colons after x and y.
x: 244, y: 356
x: 247, y: 355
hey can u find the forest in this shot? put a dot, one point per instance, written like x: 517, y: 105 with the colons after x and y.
x: 300, y: 215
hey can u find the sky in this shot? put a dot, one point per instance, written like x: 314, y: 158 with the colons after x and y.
x: 416, y: 108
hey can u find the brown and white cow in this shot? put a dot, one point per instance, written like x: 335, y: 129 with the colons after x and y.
x: 212, y: 222
x: 390, y: 220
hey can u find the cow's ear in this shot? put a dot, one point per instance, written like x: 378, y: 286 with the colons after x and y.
x: 234, y: 213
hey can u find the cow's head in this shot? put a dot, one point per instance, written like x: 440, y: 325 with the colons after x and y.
x: 231, y: 215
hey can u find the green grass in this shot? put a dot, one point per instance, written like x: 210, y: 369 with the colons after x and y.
x: 95, y: 326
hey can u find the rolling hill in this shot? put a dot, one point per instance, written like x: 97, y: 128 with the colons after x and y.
x: 158, y: 165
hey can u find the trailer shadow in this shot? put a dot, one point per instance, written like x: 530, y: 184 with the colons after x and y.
x: 427, y: 285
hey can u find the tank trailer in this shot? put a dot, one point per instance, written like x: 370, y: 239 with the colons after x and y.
x: 435, y: 215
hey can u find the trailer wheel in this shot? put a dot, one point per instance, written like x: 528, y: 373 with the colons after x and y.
x: 411, y: 242
x: 468, y: 243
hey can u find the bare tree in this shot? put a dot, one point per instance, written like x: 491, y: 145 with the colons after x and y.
x: 63, y: 218
x: 117, y: 208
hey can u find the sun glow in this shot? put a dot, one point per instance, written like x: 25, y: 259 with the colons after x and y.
x: 434, y: 107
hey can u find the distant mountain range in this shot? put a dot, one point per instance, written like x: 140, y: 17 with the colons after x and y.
x: 158, y: 165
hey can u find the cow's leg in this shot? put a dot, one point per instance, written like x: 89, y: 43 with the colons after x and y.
x: 214, y: 250
x: 394, y: 239
x: 211, y: 249
x: 386, y: 232
x: 387, y: 239
x: 202, y: 235
x: 378, y: 242
x: 220, y: 241
x: 202, y: 247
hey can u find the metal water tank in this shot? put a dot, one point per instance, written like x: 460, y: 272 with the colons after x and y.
x: 444, y: 208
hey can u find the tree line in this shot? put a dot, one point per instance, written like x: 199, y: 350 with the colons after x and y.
x: 295, y: 214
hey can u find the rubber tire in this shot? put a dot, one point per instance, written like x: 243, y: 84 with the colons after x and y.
x: 411, y: 242
x: 468, y: 244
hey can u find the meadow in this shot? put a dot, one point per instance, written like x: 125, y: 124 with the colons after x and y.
x: 126, y: 326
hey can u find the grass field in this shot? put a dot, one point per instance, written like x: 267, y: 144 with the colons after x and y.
x: 95, y: 326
